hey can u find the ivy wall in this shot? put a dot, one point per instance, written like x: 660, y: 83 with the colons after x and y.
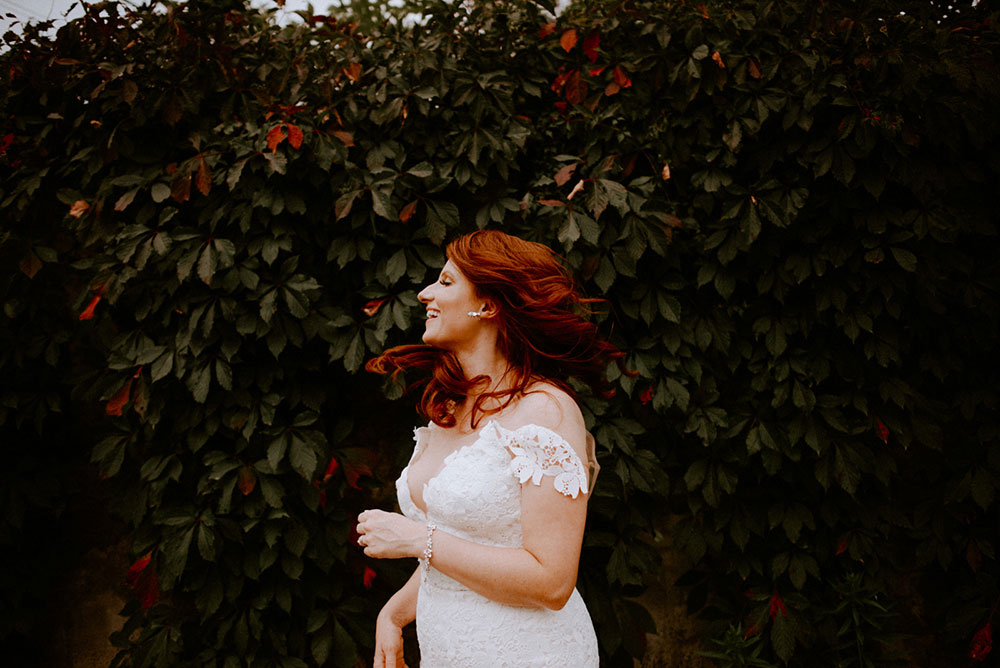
x: 208, y: 222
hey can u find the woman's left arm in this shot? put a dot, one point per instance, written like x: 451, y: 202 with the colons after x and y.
x: 543, y: 572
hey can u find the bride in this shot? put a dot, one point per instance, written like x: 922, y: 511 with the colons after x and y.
x: 494, y: 498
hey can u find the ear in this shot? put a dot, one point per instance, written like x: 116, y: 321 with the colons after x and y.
x: 487, y: 309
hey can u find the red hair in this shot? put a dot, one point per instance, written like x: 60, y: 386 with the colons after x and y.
x: 542, y: 333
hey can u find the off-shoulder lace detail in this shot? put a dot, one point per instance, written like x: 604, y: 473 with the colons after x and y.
x: 538, y: 451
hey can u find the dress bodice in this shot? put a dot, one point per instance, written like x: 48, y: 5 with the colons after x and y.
x: 477, y: 496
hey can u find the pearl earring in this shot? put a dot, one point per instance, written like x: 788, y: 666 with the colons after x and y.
x: 475, y: 314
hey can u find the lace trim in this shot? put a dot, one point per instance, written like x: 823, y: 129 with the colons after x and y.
x: 538, y: 451
x: 418, y: 443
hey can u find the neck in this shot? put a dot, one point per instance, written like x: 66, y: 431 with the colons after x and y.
x: 484, y: 360
x: 486, y: 363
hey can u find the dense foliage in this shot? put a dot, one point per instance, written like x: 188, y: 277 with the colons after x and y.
x: 208, y: 222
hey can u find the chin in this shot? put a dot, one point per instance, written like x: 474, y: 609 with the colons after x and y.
x: 434, y: 341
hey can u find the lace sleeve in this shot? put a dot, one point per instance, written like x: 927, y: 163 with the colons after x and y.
x: 537, y: 451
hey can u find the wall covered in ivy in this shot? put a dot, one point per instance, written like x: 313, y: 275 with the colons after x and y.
x: 208, y: 222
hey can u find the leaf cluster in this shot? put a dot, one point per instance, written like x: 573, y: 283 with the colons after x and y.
x: 210, y: 221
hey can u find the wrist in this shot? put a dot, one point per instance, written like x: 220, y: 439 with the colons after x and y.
x: 395, y: 614
x: 419, y: 541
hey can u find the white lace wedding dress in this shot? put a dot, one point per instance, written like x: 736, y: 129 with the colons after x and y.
x: 477, y: 496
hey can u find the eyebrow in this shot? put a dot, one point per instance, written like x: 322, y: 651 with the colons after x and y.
x: 445, y: 272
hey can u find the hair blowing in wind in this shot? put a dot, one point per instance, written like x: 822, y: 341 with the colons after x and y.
x: 542, y: 331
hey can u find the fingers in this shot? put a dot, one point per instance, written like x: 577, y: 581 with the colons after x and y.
x: 368, y: 514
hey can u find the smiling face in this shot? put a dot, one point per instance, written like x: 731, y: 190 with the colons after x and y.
x: 448, y: 302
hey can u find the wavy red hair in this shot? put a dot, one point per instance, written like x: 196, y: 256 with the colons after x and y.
x: 543, y: 333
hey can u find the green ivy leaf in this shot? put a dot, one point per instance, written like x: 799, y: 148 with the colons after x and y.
x: 782, y: 637
x: 905, y: 258
x: 302, y: 457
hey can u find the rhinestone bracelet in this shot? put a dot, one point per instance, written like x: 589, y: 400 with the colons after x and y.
x: 425, y: 558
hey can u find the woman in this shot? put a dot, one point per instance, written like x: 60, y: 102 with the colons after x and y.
x: 494, y: 498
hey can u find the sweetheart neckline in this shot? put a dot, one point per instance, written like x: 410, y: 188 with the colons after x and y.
x: 444, y: 465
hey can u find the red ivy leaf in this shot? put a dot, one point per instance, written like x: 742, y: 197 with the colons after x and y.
x: 841, y: 546
x: 331, y: 468
x: 776, y: 606
x: 647, y: 396
x: 369, y: 577
x: 294, y: 135
x: 630, y: 165
x: 564, y: 174
x: 568, y: 40
x: 275, y: 137
x: 882, y: 430
x: 372, y: 307
x: 717, y: 58
x: 753, y: 68
x: 551, y: 202
x: 136, y: 569
x: 354, y: 471
x: 353, y: 71
x: 407, y: 211
x: 560, y: 79
x: 30, y: 264
x: 590, y: 45
x: 982, y: 643
x: 149, y: 589
x: 120, y: 398
x: 180, y: 188
x: 203, y: 178
x: 246, y: 480
x: 142, y: 579
x: 621, y: 78
x: 345, y: 137
x: 596, y: 71
x: 547, y: 30
x: 78, y: 209
x: 88, y: 312
x: 576, y: 88
x: 611, y: 88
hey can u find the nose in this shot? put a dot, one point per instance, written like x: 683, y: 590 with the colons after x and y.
x: 423, y: 296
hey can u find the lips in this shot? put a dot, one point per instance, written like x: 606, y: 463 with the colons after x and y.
x: 432, y: 313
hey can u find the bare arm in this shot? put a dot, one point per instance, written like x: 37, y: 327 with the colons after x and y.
x: 543, y: 572
x: 398, y: 611
x: 401, y: 609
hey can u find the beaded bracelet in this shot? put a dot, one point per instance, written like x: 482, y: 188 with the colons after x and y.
x: 425, y: 558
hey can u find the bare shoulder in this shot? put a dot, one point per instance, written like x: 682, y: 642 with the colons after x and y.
x: 546, y: 405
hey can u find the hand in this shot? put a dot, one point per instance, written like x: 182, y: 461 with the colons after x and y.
x: 388, y: 643
x: 390, y: 535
